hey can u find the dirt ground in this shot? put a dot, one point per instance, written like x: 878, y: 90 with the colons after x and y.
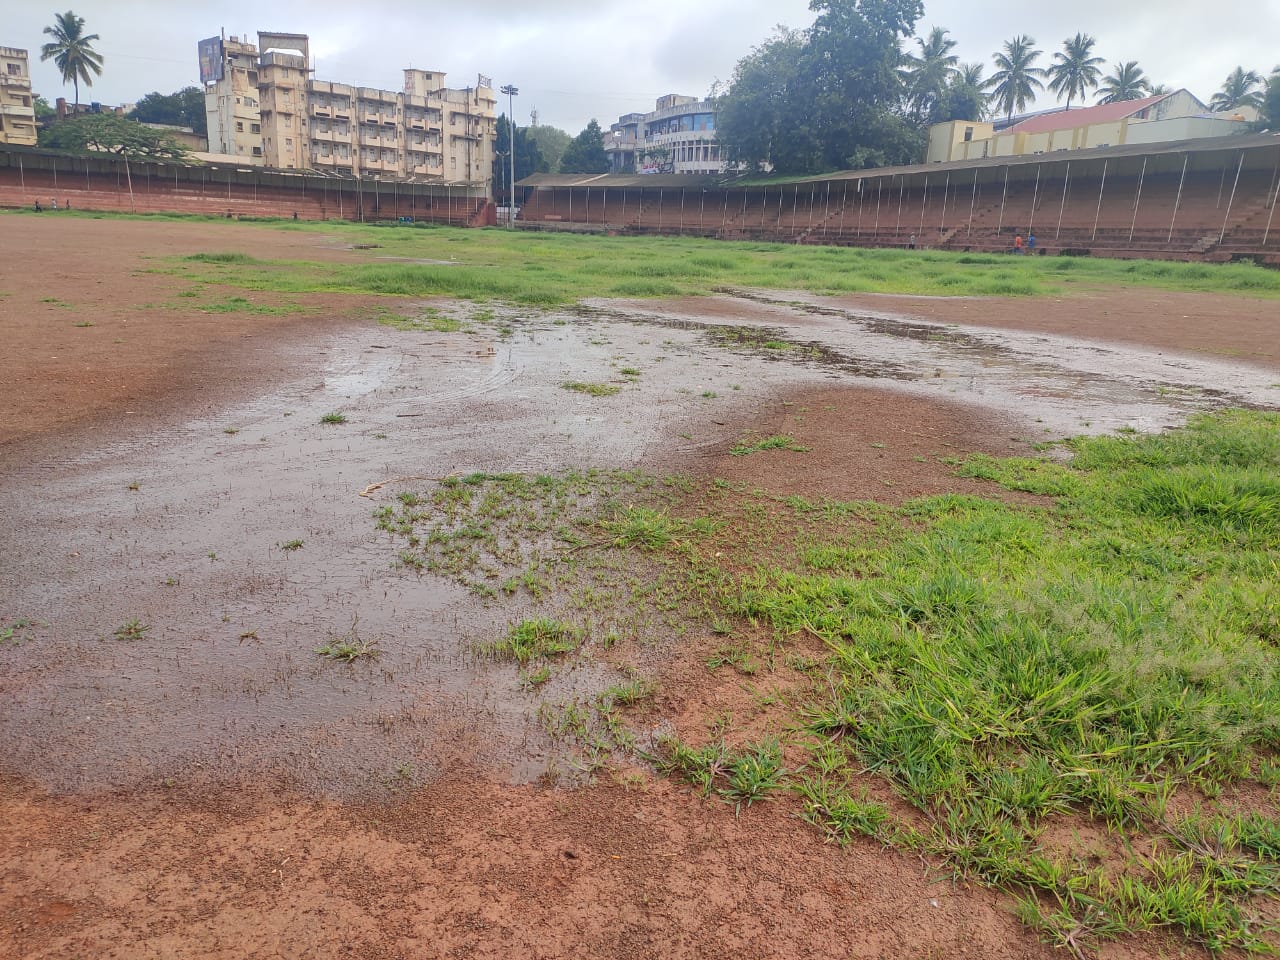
x: 117, y: 846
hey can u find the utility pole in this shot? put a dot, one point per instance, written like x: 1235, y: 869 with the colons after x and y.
x: 511, y: 92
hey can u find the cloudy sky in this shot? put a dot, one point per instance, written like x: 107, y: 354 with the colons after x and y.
x: 577, y: 59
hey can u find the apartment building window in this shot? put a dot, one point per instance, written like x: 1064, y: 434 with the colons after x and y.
x: 288, y: 143
x: 255, y: 128
x: 253, y: 77
x: 257, y: 151
x: 239, y: 126
x: 14, y: 69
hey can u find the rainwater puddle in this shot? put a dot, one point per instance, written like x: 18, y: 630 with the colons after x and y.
x: 183, y: 530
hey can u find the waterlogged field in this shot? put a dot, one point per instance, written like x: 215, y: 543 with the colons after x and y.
x: 596, y: 548
x: 546, y: 269
x: 1074, y: 700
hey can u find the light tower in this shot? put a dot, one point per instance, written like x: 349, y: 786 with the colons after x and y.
x: 511, y: 92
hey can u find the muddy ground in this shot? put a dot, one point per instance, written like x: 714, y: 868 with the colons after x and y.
x: 214, y: 789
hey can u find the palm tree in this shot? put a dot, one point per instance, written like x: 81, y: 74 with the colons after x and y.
x: 1076, y: 71
x: 1015, y: 82
x: 928, y: 75
x: 72, y: 51
x: 1242, y: 89
x: 1127, y: 83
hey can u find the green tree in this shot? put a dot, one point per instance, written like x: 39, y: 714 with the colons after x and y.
x: 966, y: 95
x: 1076, y: 70
x: 755, y: 112
x: 928, y: 76
x: 1243, y: 88
x: 111, y: 133
x: 1127, y: 83
x: 1271, y: 101
x: 585, y: 154
x: 184, y: 108
x: 828, y: 98
x: 71, y: 51
x: 42, y: 107
x: 1016, y: 80
x: 528, y: 156
x: 552, y: 143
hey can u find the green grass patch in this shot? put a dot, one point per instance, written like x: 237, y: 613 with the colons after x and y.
x: 591, y: 389
x: 746, y: 447
x: 535, y: 639
x: 545, y: 270
x: 430, y: 320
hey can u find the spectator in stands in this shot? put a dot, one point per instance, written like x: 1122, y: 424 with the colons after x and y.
x: 1017, y: 243
x: 67, y: 205
x: 39, y: 209
x: 1031, y: 244
x: 53, y: 204
x: 911, y: 244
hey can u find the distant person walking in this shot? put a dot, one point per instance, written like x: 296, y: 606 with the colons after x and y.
x: 1031, y: 244
x: 39, y: 209
x: 53, y: 204
x: 911, y: 244
x: 1017, y: 244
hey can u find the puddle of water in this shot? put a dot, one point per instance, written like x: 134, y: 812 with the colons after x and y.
x: 182, y: 529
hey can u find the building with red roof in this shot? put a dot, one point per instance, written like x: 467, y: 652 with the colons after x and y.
x: 1162, y: 118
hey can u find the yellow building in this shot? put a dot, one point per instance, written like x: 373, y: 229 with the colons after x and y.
x: 1158, y: 119
x: 296, y: 122
x: 17, y: 115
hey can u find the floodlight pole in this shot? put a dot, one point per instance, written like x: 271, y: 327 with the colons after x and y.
x: 511, y: 92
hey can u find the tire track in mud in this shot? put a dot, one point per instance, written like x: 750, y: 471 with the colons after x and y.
x: 1115, y: 360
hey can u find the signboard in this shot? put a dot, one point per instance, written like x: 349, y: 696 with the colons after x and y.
x: 211, y: 60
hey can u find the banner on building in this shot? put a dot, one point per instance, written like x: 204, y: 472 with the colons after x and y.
x: 211, y: 59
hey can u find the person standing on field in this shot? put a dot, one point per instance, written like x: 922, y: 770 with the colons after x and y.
x: 1017, y: 244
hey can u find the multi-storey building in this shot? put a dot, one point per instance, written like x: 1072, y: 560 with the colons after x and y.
x: 428, y: 131
x: 17, y: 114
x: 679, y: 136
x: 231, y: 102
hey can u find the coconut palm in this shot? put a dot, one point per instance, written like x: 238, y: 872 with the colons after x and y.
x: 928, y: 75
x: 1127, y: 83
x: 1016, y: 80
x: 967, y: 96
x: 72, y: 51
x: 1242, y: 89
x: 1075, y: 71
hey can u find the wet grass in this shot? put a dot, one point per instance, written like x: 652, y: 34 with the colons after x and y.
x: 349, y: 646
x: 535, y: 639
x: 430, y: 320
x: 591, y: 389
x: 552, y: 269
x: 747, y: 447
x: 1104, y: 659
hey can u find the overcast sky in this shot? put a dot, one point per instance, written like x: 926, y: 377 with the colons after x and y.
x: 577, y: 59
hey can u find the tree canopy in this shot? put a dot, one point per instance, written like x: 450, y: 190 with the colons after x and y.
x: 1271, y: 101
x: 183, y: 108
x: 1017, y: 78
x: 585, y: 153
x: 1075, y: 70
x: 528, y: 157
x: 1243, y: 88
x: 552, y: 143
x: 71, y: 51
x: 112, y: 133
x: 1128, y: 82
x: 831, y: 97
